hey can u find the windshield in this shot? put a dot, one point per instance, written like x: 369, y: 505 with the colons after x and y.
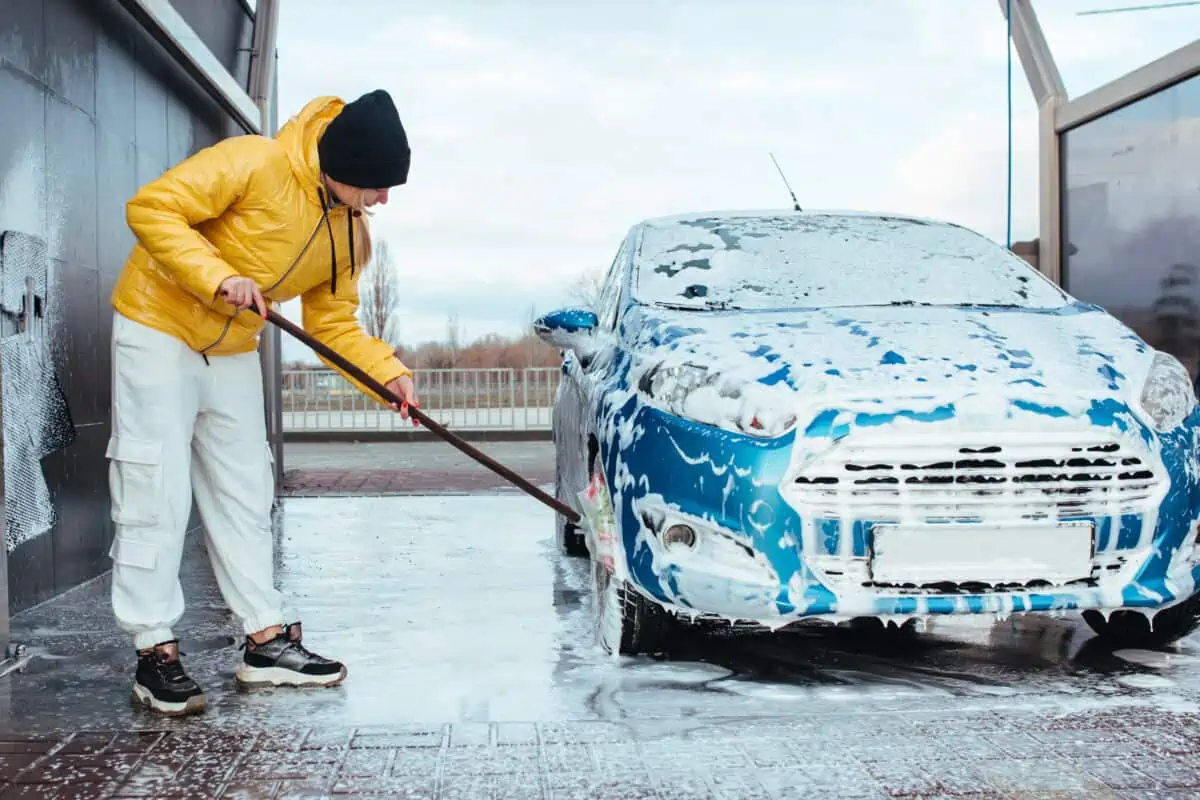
x: 820, y: 260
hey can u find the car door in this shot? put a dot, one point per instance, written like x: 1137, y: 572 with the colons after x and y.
x: 576, y: 419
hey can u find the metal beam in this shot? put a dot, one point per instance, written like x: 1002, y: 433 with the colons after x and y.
x: 1036, y: 58
x: 1172, y: 68
x: 263, y: 83
x: 170, y: 29
x: 1050, y: 191
x: 1050, y: 93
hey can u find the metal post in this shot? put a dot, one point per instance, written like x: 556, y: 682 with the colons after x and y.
x: 1050, y: 189
x: 263, y: 85
x: 1049, y: 92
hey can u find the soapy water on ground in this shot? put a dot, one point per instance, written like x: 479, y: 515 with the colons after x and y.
x: 459, y: 609
x: 474, y: 674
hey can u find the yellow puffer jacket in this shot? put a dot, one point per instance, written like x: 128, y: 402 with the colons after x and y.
x: 251, y: 206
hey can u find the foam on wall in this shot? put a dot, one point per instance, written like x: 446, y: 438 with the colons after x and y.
x: 37, y: 420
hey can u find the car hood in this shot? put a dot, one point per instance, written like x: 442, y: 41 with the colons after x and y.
x: 875, y: 353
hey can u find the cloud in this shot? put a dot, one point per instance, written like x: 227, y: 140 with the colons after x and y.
x: 542, y: 131
x: 959, y: 173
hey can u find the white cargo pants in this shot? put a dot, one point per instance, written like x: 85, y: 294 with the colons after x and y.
x: 180, y: 426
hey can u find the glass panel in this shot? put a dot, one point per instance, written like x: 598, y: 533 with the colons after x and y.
x: 1131, y: 217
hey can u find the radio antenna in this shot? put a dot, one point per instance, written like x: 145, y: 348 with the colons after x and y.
x: 795, y: 202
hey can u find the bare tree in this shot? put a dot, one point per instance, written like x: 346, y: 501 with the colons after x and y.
x: 379, y: 294
x: 453, y: 337
x: 586, y: 289
x: 529, y: 340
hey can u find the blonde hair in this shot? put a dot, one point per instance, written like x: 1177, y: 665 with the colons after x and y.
x: 354, y: 198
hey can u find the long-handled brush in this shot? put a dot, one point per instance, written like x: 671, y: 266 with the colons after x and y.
x: 418, y: 415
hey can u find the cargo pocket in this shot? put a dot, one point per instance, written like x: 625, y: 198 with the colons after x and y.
x: 135, y: 481
x: 132, y: 553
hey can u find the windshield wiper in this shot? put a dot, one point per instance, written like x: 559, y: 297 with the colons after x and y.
x: 709, y: 305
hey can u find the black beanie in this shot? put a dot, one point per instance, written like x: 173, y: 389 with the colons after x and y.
x: 365, y: 146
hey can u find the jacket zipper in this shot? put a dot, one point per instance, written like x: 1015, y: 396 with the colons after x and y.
x: 229, y: 322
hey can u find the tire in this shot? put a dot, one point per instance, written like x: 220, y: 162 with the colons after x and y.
x: 628, y: 623
x: 571, y: 540
x: 568, y: 536
x: 882, y: 636
x: 1132, y: 629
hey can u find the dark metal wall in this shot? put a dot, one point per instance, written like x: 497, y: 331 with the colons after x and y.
x: 92, y: 108
x: 226, y: 27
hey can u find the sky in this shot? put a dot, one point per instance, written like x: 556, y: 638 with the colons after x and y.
x: 542, y: 130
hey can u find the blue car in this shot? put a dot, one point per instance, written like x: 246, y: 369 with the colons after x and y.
x: 778, y: 418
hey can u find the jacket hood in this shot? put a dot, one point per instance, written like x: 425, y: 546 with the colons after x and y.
x: 300, y: 135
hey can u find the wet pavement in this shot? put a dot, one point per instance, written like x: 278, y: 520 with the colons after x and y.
x: 390, y: 468
x: 474, y: 674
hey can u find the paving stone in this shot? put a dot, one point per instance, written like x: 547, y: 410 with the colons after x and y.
x: 1120, y: 773
x: 33, y: 748
x: 516, y: 733
x: 569, y: 758
x: 297, y: 766
x: 466, y: 734
x: 1169, y: 772
x: 250, y: 790
x: 423, y: 737
x: 419, y: 761
x: 303, y: 790
x: 594, y: 787
x: 366, y: 764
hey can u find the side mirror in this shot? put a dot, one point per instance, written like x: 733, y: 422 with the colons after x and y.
x: 569, y: 329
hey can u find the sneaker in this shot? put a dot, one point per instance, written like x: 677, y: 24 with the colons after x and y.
x: 284, y: 661
x: 161, y: 684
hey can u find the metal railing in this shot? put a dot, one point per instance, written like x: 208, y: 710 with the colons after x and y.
x: 462, y: 399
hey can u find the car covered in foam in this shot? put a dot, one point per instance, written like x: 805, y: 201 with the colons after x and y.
x: 773, y: 418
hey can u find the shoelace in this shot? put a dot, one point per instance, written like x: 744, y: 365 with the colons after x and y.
x: 171, y: 668
x: 291, y: 645
x: 304, y: 651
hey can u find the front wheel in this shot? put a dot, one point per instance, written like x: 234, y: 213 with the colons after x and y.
x: 627, y: 623
x: 1133, y: 629
x: 568, y: 536
x: 571, y: 539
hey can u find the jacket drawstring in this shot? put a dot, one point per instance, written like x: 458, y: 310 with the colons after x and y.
x: 332, y: 243
x: 350, y: 236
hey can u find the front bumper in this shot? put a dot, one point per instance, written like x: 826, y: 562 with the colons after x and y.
x: 778, y: 540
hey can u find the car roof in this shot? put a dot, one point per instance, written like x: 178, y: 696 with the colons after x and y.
x: 691, y: 216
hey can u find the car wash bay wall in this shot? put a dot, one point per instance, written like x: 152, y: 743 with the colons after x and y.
x: 91, y: 107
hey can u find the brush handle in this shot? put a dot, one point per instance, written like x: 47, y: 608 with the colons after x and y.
x: 387, y: 394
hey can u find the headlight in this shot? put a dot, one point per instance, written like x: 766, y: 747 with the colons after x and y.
x: 696, y: 393
x: 1168, y: 395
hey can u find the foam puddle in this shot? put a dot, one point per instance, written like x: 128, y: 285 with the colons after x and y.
x: 1145, y: 681
x: 1155, y: 659
x: 676, y: 673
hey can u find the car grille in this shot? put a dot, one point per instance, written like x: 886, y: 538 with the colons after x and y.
x: 1030, y: 480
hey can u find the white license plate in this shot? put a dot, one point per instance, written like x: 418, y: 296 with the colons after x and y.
x: 1057, y: 553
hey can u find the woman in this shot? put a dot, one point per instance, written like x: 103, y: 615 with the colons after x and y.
x: 246, y: 222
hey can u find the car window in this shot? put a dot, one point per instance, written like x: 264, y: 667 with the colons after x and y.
x: 822, y: 260
x: 608, y: 306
